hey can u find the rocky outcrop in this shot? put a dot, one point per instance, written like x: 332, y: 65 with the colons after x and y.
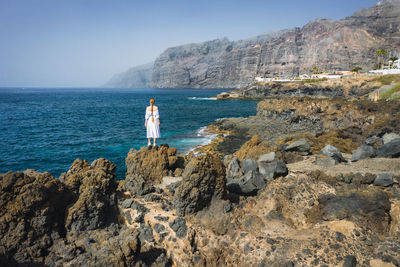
x: 203, y: 178
x: 93, y: 186
x: 147, y: 167
x: 322, y: 43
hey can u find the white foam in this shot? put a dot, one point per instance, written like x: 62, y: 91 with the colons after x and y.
x: 201, y: 98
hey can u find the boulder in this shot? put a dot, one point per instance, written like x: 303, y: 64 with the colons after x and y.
x: 390, y: 150
x: 301, y: 146
x: 374, y: 141
x: 249, y: 165
x: 325, y: 161
x: 363, y: 152
x: 203, y: 179
x: 233, y: 169
x: 147, y: 167
x: 333, y: 152
x: 389, y: 137
x: 248, y: 184
x: 384, y: 179
x: 270, y: 166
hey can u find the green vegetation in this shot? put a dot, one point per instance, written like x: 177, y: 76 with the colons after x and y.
x: 387, y: 79
x: 357, y: 69
x: 380, y: 54
x: 389, y: 93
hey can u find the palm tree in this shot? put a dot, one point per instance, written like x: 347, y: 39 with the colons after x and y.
x: 315, y: 70
x: 379, y: 53
x: 393, y: 59
x: 356, y: 70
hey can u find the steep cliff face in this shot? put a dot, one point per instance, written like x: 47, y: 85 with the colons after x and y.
x: 322, y: 43
x: 136, y: 77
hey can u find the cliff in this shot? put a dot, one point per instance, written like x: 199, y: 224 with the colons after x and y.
x: 136, y: 77
x: 323, y: 43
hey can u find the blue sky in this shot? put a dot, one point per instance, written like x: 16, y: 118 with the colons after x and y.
x: 65, y: 43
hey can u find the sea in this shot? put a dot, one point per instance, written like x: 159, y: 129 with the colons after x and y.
x: 48, y: 128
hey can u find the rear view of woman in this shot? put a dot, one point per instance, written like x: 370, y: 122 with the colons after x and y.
x: 152, y: 123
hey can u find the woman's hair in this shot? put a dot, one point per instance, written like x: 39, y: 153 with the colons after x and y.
x: 152, y: 101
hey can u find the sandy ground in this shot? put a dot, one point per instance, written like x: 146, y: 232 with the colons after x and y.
x: 370, y: 165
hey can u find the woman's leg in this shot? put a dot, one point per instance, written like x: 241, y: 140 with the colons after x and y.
x: 155, y: 139
x: 149, y: 143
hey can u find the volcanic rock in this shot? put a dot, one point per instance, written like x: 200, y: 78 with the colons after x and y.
x: 203, y: 178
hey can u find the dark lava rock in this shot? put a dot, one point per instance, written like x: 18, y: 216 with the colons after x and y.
x: 333, y: 152
x: 363, y: 152
x: 368, y: 208
x: 349, y: 261
x: 248, y: 184
x: 390, y: 149
x: 126, y: 204
x: 384, y: 179
x: 203, y: 178
x: 146, y: 234
x: 96, y: 205
x: 302, y: 146
x: 233, y: 169
x: 159, y: 228
x: 249, y: 165
x: 270, y: 166
x: 179, y: 227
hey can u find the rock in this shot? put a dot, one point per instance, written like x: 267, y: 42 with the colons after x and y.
x: 326, y: 162
x: 374, y: 141
x: 248, y: 184
x: 363, y: 152
x: 270, y: 166
x: 249, y: 165
x: 252, y: 149
x: 203, y: 178
x: 179, y: 227
x: 32, y: 208
x: 301, y: 146
x: 389, y: 137
x: 147, y: 167
x: 390, y: 149
x: 367, y: 178
x: 233, y: 169
x: 384, y: 179
x: 333, y: 152
x: 369, y: 208
x: 126, y: 204
x: 96, y: 204
x: 350, y: 261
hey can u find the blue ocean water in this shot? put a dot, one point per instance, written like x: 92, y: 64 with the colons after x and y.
x: 47, y: 128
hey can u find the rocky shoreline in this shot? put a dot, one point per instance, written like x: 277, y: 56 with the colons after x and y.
x: 308, y: 181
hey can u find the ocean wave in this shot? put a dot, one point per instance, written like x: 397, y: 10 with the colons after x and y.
x: 201, y: 98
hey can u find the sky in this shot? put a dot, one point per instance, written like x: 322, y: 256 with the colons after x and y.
x: 83, y: 43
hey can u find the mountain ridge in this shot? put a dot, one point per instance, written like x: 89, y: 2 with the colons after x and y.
x: 322, y: 43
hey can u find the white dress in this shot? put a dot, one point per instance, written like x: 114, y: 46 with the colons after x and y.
x: 153, y: 129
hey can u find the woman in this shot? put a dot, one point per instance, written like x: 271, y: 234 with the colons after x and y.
x: 152, y: 122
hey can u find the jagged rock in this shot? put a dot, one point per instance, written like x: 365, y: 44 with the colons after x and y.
x: 203, y: 178
x: 32, y: 210
x: 384, y: 179
x: 233, y: 169
x: 96, y: 204
x: 389, y: 137
x: 363, y: 152
x: 334, y: 152
x: 249, y: 165
x: 325, y: 161
x: 390, y: 149
x: 374, y: 141
x: 248, y: 184
x: 270, y: 166
x: 147, y: 167
x: 350, y: 261
x: 179, y: 227
x: 368, y: 208
x: 302, y: 146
